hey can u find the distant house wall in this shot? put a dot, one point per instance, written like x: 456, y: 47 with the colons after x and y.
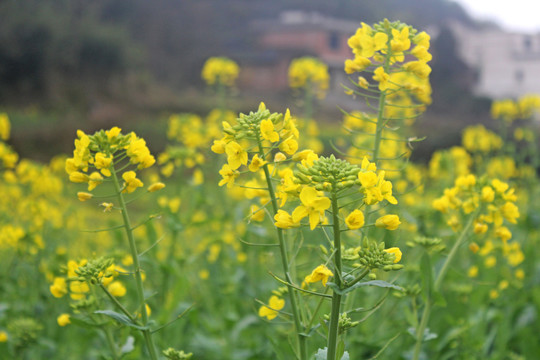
x: 507, y: 64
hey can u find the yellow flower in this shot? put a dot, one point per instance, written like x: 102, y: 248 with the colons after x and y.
x: 313, y: 206
x: 510, y: 212
x: 400, y: 40
x: 94, y: 180
x: 103, y: 163
x: 389, y: 222
x: 274, y: 305
x: 113, y: 132
x: 204, y: 274
x: 219, y: 146
x: 520, y: 274
x: 490, y: 262
x: 156, y: 186
x: 236, y: 155
x: 320, y: 273
x: 474, y: 247
x: 355, y: 220
x: 503, y: 233
x: 117, y: 289
x: 3, y: 336
x: 488, y: 194
x: 284, y: 220
x: 268, y: 132
x: 5, y: 127
x: 473, y: 271
x: 381, y: 77
x: 256, y: 163
x: 78, y: 177
x: 59, y: 287
x: 83, y: 196
x: 289, y: 146
x: 257, y: 213
x: 397, y: 253
x: 131, y: 183
x: 493, y: 294
x: 63, y: 320
x: 359, y: 63
x: 418, y: 68
x: 279, y: 157
x: 480, y: 228
x: 228, y: 174
x: 107, y: 207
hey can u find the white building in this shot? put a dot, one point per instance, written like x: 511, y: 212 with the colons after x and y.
x: 507, y: 64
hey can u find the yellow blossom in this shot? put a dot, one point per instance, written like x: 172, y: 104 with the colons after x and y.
x: 289, y: 146
x: 103, y: 163
x: 320, y: 273
x: 117, y: 289
x: 473, y: 271
x: 397, y: 253
x: 389, y: 222
x: 83, y: 196
x: 107, y: 207
x: 284, y: 220
x: 256, y: 163
x: 156, y: 186
x: 131, y: 183
x: 3, y: 336
x: 355, y: 220
x: 59, y: 287
x: 236, y: 155
x: 274, y: 305
x: 63, y: 320
x: 381, y: 77
x: 94, y: 180
x: 312, y: 206
x: 228, y: 174
x: 268, y: 132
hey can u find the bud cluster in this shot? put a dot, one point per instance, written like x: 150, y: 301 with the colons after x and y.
x: 328, y: 174
x: 373, y: 255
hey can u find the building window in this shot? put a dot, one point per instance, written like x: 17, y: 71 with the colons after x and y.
x: 527, y: 43
x: 333, y: 41
x: 519, y: 76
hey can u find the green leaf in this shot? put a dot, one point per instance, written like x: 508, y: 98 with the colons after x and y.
x: 340, y: 349
x: 121, y: 318
x: 84, y: 323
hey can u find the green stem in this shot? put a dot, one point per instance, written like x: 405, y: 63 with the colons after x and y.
x: 302, y: 344
x: 333, y: 328
x: 438, y: 281
x: 138, y: 277
x: 108, y: 335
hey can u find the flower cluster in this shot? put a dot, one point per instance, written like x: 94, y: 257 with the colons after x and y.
x: 477, y: 138
x: 80, y: 275
x: 220, y: 70
x: 96, y: 158
x: 490, y: 202
x: 385, y: 50
x: 309, y: 73
x: 8, y: 158
x: 510, y: 110
x: 190, y: 137
x: 252, y: 141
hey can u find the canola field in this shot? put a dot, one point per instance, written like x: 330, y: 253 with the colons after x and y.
x: 252, y: 237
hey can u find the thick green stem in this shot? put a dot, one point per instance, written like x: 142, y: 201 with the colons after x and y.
x: 106, y: 330
x: 138, y: 277
x: 333, y: 329
x: 438, y: 281
x: 302, y: 344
